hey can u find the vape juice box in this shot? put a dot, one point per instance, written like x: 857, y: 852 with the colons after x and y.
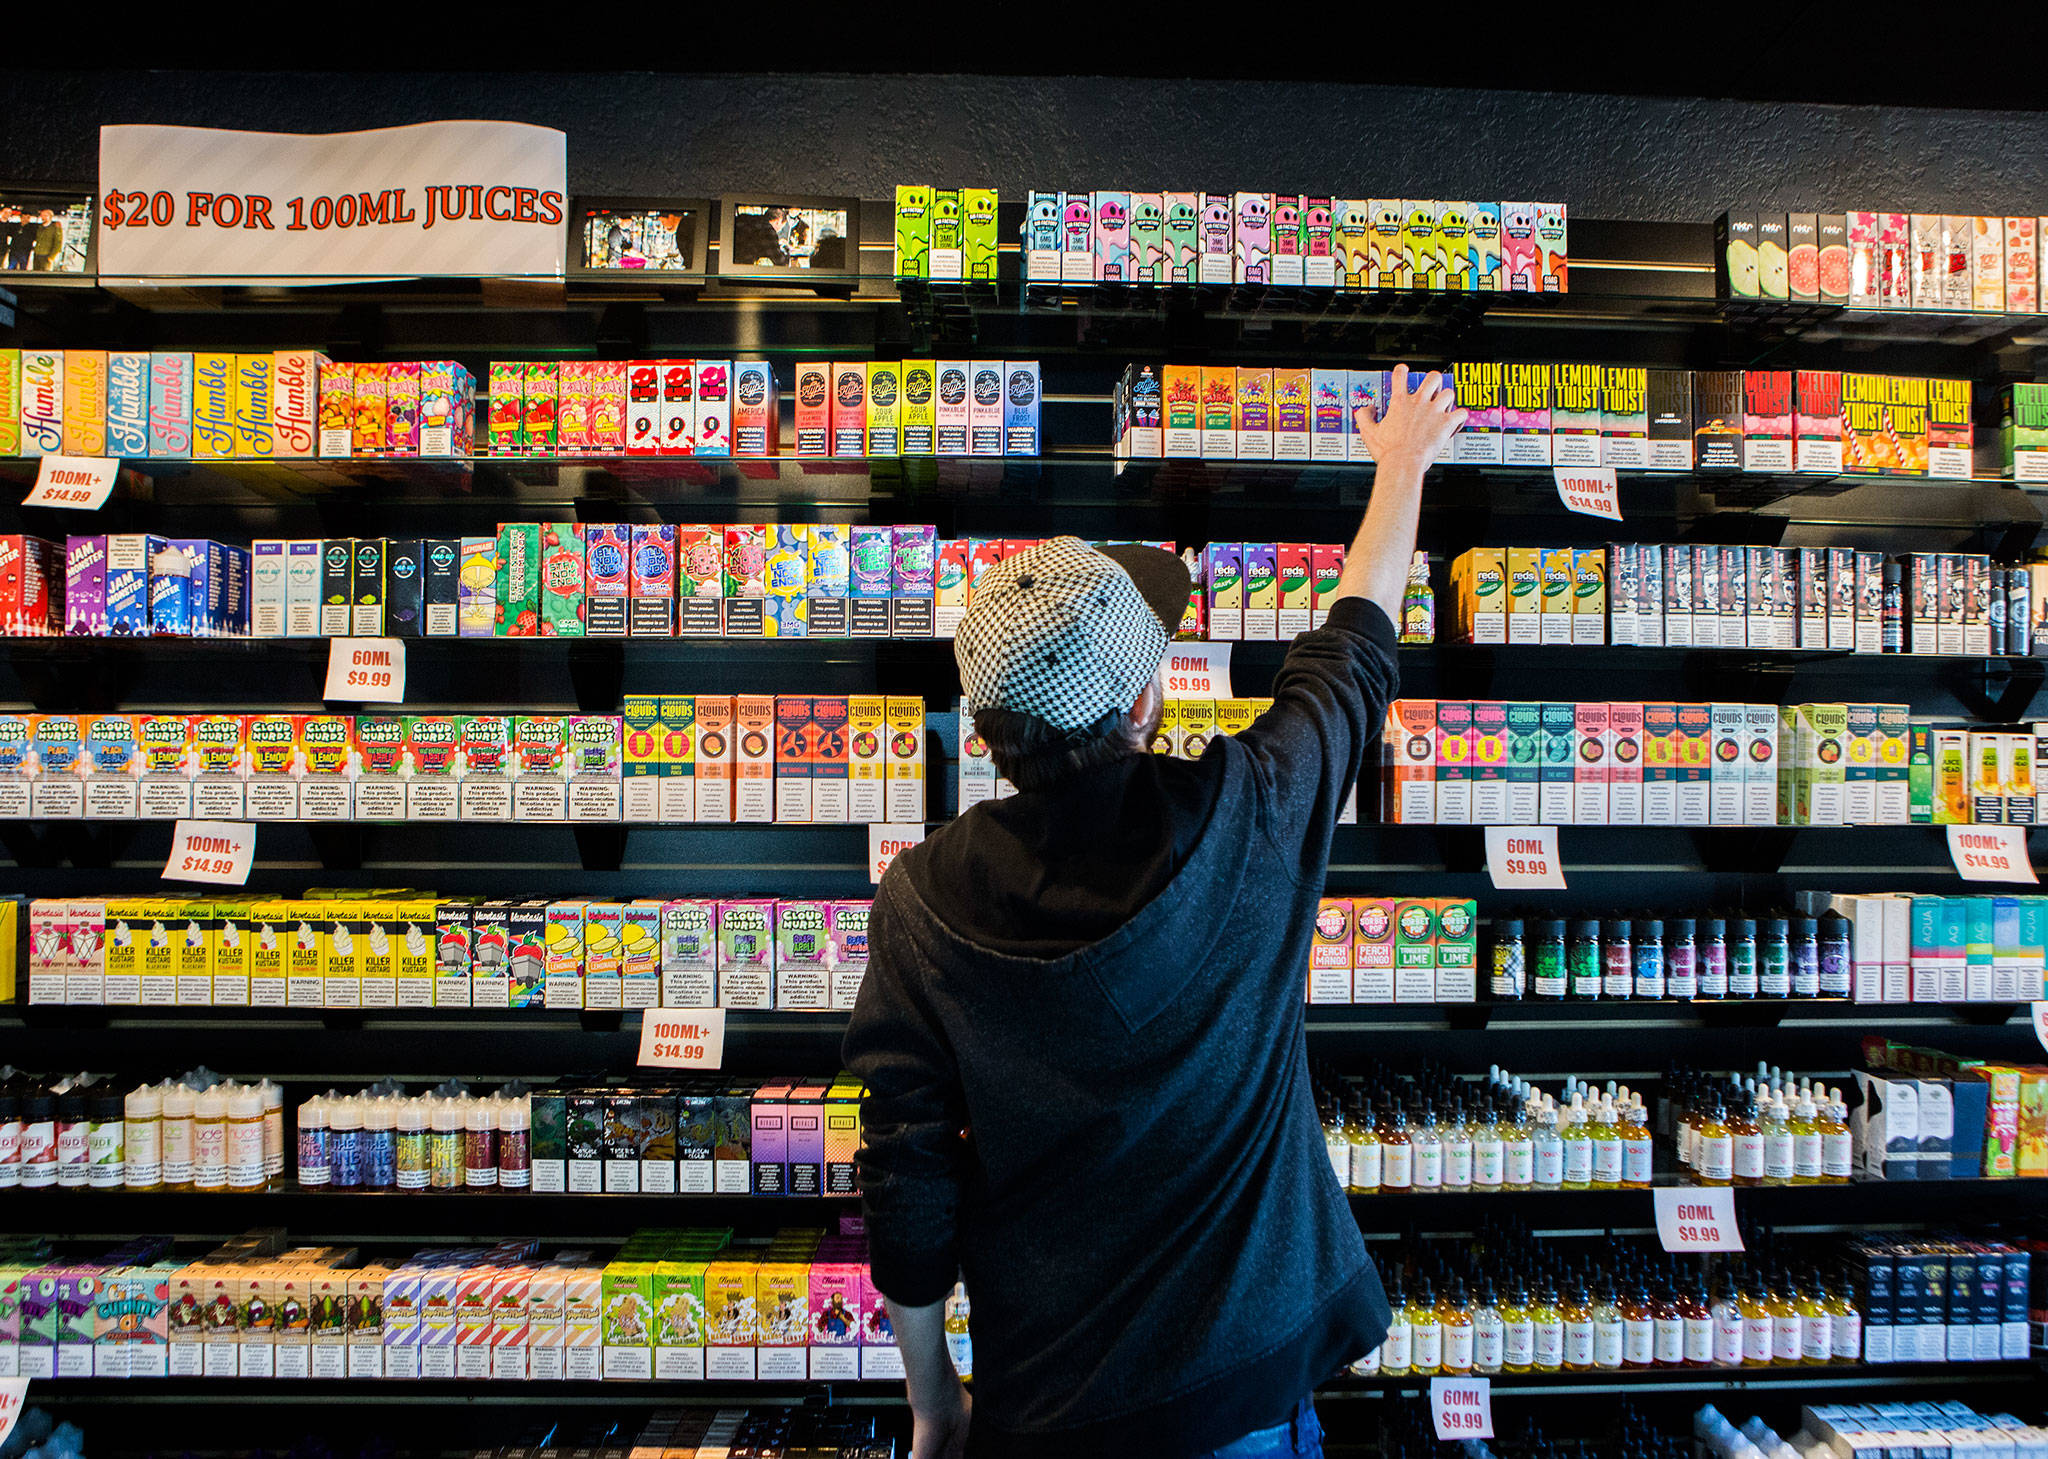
x: 905, y: 784
x: 675, y: 407
x: 792, y: 787
x: 441, y: 586
x: 918, y: 411
x: 602, y: 580
x: 516, y: 591
x: 1802, y: 257
x: 127, y: 404
x: 872, y: 566
x: 643, y: 408
x: 947, y: 256
x: 1253, y: 414
x: 1453, y: 243
x: 1111, y: 240
x: 85, y: 402
x: 1950, y: 437
x: 1415, y: 950
x: 404, y: 587
x: 746, y: 958
x: 1760, y: 760
x: 1867, y: 444
x: 1181, y: 391
x: 1717, y: 420
x: 540, y: 397
x: 563, y: 607
x: 1859, y: 759
x: 1896, y: 290
x: 1521, y: 256
x: 485, y: 766
x: 1987, y: 265
x: 1215, y: 237
x: 593, y: 764
x: 1354, y: 244
x: 1831, y: 258
x: 130, y: 556
x: 476, y: 587
x: 867, y: 758
x: 1589, y: 596
x: 1291, y: 440
x: 401, y: 409
x: 170, y: 407
x: 985, y: 409
x: 700, y: 580
x: 1223, y: 570
x: 651, y: 580
x: 1575, y: 417
x: 1817, y: 421
x: 1659, y: 742
x: 1218, y: 413
x: 952, y: 413
x: 1767, y: 420
x: 1329, y: 954
x: 1624, y: 417
x: 814, y: 409
x: 1181, y: 234
x: 914, y: 554
x: 1408, y: 760
x: 827, y: 579
x: 1289, y: 235
x: 1520, y: 764
x: 1926, y: 260
x: 714, y: 404
x: 1478, y: 387
x: 642, y: 770
x: 447, y: 407
x: 1329, y: 415
x: 213, y: 405
x: 1525, y: 415
x: 1524, y: 606
x: 1021, y: 399
x: 753, y: 761
x: 884, y: 408
x: 1454, y: 769
x: 503, y: 409
x: 1148, y: 240
x: 1041, y: 237
x: 1367, y: 390
x: 1555, y: 582
x: 1771, y: 245
x: 1818, y: 752
x: 1296, y: 591
x: 849, y: 409
x: 37, y: 378
x: 1261, y: 591
x: 2022, y: 266
x: 1326, y: 568
x: 327, y: 760
x: 1692, y: 749
x: 1590, y: 733
x: 1628, y: 757
x: 744, y: 578
x: 1553, y: 247
x: 1865, y: 273
x: 85, y: 588
x: 1669, y: 398
x: 913, y: 231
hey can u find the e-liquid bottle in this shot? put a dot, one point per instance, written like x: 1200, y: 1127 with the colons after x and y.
x: 380, y: 1144
x: 1805, y: 957
x: 210, y: 1139
x: 1585, y: 960
x: 1397, y: 1348
x: 142, y: 1114
x: 1365, y: 1149
x: 414, y: 1164
x: 1518, y: 1331
x: 1549, y: 978
x: 178, y: 1107
x: 1577, y: 1138
x: 1834, y: 955
x: 1713, y: 958
x: 1489, y: 1332
x: 1774, y: 960
x: 245, y: 1137
x: 1418, y: 603
x: 74, y: 1139
x: 1742, y: 968
x: 1698, y: 1316
x: 1649, y: 959
x: 480, y: 1146
x: 345, y: 1120
x: 1892, y: 612
x: 1509, y: 960
x: 515, y: 1143
x: 1617, y: 959
x: 39, y: 1139
x: 1994, y: 613
x: 1425, y: 1332
x: 1681, y: 960
x: 2019, y: 612
x: 106, y: 1141
x: 444, y: 1145
x: 10, y: 1137
x: 1637, y: 1152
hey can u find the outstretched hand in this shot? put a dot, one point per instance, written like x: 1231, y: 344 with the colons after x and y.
x: 1415, y: 425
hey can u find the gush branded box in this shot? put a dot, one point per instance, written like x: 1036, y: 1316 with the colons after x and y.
x: 1254, y: 414
x: 1218, y: 413
x: 1669, y: 407
x: 1330, y: 418
x: 1291, y: 435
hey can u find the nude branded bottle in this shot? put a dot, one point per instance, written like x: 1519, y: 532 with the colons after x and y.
x: 1365, y: 1149
x: 1397, y: 1151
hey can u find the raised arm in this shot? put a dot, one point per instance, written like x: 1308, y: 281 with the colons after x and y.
x: 1404, y: 443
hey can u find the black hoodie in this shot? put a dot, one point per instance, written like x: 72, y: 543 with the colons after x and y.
x: 1088, y: 1092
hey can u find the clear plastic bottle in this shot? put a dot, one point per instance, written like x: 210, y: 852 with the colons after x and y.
x: 1489, y: 1332
x: 1364, y: 1138
x: 480, y: 1146
x: 210, y: 1140
x: 1777, y: 1141
x: 1807, y: 1143
x: 1336, y: 1141
x: 515, y: 1142
x: 106, y: 1145
x: 1546, y: 1324
x: 178, y: 1105
x: 1518, y: 1150
x: 1489, y: 1152
x: 1577, y: 1139
x: 245, y: 1137
x: 143, y: 1112
x: 380, y: 1143
x: 959, y: 1342
x: 1617, y: 959
x: 414, y: 1160
x: 446, y: 1119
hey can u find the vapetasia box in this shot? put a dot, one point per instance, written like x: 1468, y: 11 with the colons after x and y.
x: 1670, y: 412
x: 1950, y: 440
x: 1817, y: 421
x: 1478, y: 387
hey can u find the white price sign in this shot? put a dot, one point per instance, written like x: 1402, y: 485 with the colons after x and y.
x: 1523, y: 856
x: 1991, y: 853
x: 80, y: 483
x: 1588, y: 490
x: 682, y: 1038
x: 1461, y: 1408
x: 1697, y: 1218
x: 366, y: 670
x: 13, y: 1396
x: 886, y: 843
x: 214, y: 851
x: 1198, y: 671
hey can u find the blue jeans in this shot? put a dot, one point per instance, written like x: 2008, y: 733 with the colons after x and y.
x: 1301, y: 1437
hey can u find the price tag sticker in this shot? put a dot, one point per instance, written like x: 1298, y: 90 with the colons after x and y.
x: 1461, y: 1408
x: 682, y: 1038
x: 1588, y: 490
x: 13, y: 1397
x: 886, y: 843
x: 1523, y: 856
x: 1991, y: 853
x: 215, y: 851
x: 366, y: 670
x: 1198, y: 671
x: 1697, y: 1218
x: 79, y: 483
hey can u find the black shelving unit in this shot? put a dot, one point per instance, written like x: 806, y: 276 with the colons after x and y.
x: 1642, y: 294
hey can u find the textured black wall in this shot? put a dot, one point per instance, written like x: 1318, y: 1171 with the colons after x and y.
x: 1605, y: 156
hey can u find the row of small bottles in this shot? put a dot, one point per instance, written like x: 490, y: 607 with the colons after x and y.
x: 1501, y: 1133
x: 1525, y: 1305
x: 1589, y: 959
x: 198, y: 1132
x: 1761, y: 1129
x: 445, y: 1139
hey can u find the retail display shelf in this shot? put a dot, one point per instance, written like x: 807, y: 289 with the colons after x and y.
x: 1798, y: 1378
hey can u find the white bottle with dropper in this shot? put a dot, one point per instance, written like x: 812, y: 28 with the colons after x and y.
x: 142, y: 1115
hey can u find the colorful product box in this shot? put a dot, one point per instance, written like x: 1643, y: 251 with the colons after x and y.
x: 1526, y: 415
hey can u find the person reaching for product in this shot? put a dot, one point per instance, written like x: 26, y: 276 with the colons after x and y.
x: 1082, y: 1031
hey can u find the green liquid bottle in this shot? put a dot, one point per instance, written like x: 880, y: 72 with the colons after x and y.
x: 1418, y: 603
